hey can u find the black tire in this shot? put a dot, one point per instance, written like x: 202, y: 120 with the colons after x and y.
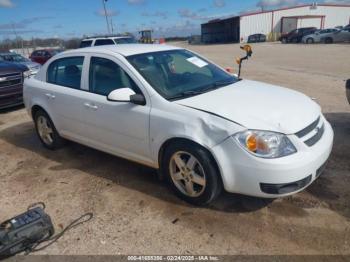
x: 213, y: 186
x: 310, y: 40
x: 328, y: 40
x: 57, y: 140
x: 284, y: 40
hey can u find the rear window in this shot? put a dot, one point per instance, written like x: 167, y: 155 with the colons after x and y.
x: 85, y: 43
x: 104, y: 42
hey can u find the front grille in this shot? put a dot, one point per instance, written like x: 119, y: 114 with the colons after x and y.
x: 312, y: 133
x: 313, y: 140
x: 308, y: 129
x: 10, y: 80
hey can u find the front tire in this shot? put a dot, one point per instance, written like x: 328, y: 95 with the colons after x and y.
x: 309, y: 41
x: 192, y: 173
x: 46, y: 131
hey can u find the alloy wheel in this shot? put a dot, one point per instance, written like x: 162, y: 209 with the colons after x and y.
x: 45, y: 130
x: 187, y: 174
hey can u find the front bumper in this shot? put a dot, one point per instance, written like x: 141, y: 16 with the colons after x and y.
x: 249, y: 175
x: 12, y: 96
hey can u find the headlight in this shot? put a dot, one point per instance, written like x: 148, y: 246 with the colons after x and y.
x: 26, y: 74
x: 265, y: 144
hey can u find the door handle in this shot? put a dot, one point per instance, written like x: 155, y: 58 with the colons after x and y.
x: 50, y: 96
x: 91, y: 106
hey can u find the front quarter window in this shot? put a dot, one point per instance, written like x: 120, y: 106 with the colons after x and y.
x: 177, y: 74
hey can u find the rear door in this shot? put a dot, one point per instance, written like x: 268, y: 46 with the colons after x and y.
x: 65, y: 96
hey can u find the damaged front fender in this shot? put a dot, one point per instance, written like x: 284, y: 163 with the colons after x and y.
x: 203, y: 128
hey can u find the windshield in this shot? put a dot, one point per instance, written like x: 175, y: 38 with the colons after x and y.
x: 178, y: 74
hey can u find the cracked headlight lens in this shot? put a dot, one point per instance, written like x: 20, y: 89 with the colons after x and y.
x: 265, y: 144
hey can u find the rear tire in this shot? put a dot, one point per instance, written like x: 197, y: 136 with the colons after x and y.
x: 328, y: 40
x: 309, y: 41
x: 192, y: 173
x: 46, y: 131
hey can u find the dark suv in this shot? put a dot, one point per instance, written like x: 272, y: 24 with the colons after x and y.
x: 11, y: 84
x: 296, y: 35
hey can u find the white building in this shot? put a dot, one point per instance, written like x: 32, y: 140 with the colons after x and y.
x: 275, y: 22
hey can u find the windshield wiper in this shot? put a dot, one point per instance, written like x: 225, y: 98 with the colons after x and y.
x: 208, y: 88
x: 186, y: 94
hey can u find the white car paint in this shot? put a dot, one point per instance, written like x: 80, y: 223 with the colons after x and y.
x: 209, y: 119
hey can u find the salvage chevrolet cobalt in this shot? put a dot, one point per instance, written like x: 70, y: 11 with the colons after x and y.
x: 171, y: 109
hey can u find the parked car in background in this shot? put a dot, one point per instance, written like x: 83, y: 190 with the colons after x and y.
x: 255, y: 38
x: 339, y: 36
x: 11, y: 83
x: 17, y: 58
x: 296, y: 35
x: 348, y: 90
x: 108, y: 40
x: 318, y: 35
x: 175, y: 111
x: 41, y: 56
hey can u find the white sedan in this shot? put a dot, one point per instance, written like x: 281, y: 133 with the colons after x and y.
x: 173, y: 110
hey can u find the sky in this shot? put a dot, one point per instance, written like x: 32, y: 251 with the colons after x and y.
x: 75, y: 18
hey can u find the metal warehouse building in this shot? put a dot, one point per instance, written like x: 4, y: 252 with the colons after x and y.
x: 275, y: 22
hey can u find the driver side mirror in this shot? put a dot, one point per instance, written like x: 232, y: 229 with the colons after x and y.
x: 126, y: 95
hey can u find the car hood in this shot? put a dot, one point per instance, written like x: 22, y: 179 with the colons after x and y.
x: 257, y: 105
x: 11, y: 67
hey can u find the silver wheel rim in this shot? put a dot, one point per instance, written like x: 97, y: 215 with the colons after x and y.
x: 187, y: 174
x: 45, y: 130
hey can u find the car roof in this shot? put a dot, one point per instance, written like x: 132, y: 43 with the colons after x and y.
x: 126, y: 49
x: 106, y: 37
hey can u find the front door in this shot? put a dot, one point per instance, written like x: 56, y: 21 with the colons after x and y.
x: 117, y: 127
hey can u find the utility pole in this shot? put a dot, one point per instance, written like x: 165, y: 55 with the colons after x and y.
x: 112, y: 26
x: 106, y: 15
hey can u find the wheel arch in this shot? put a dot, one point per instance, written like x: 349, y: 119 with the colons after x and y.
x: 35, y: 109
x: 170, y: 141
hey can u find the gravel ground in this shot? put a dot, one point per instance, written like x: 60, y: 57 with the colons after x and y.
x: 137, y: 214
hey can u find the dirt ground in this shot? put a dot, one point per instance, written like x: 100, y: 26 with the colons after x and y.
x: 137, y: 214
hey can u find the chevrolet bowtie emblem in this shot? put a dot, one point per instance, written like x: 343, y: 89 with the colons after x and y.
x: 2, y: 79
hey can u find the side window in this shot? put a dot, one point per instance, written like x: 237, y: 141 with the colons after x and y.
x: 104, y: 42
x: 87, y: 43
x: 106, y: 76
x: 66, y: 72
